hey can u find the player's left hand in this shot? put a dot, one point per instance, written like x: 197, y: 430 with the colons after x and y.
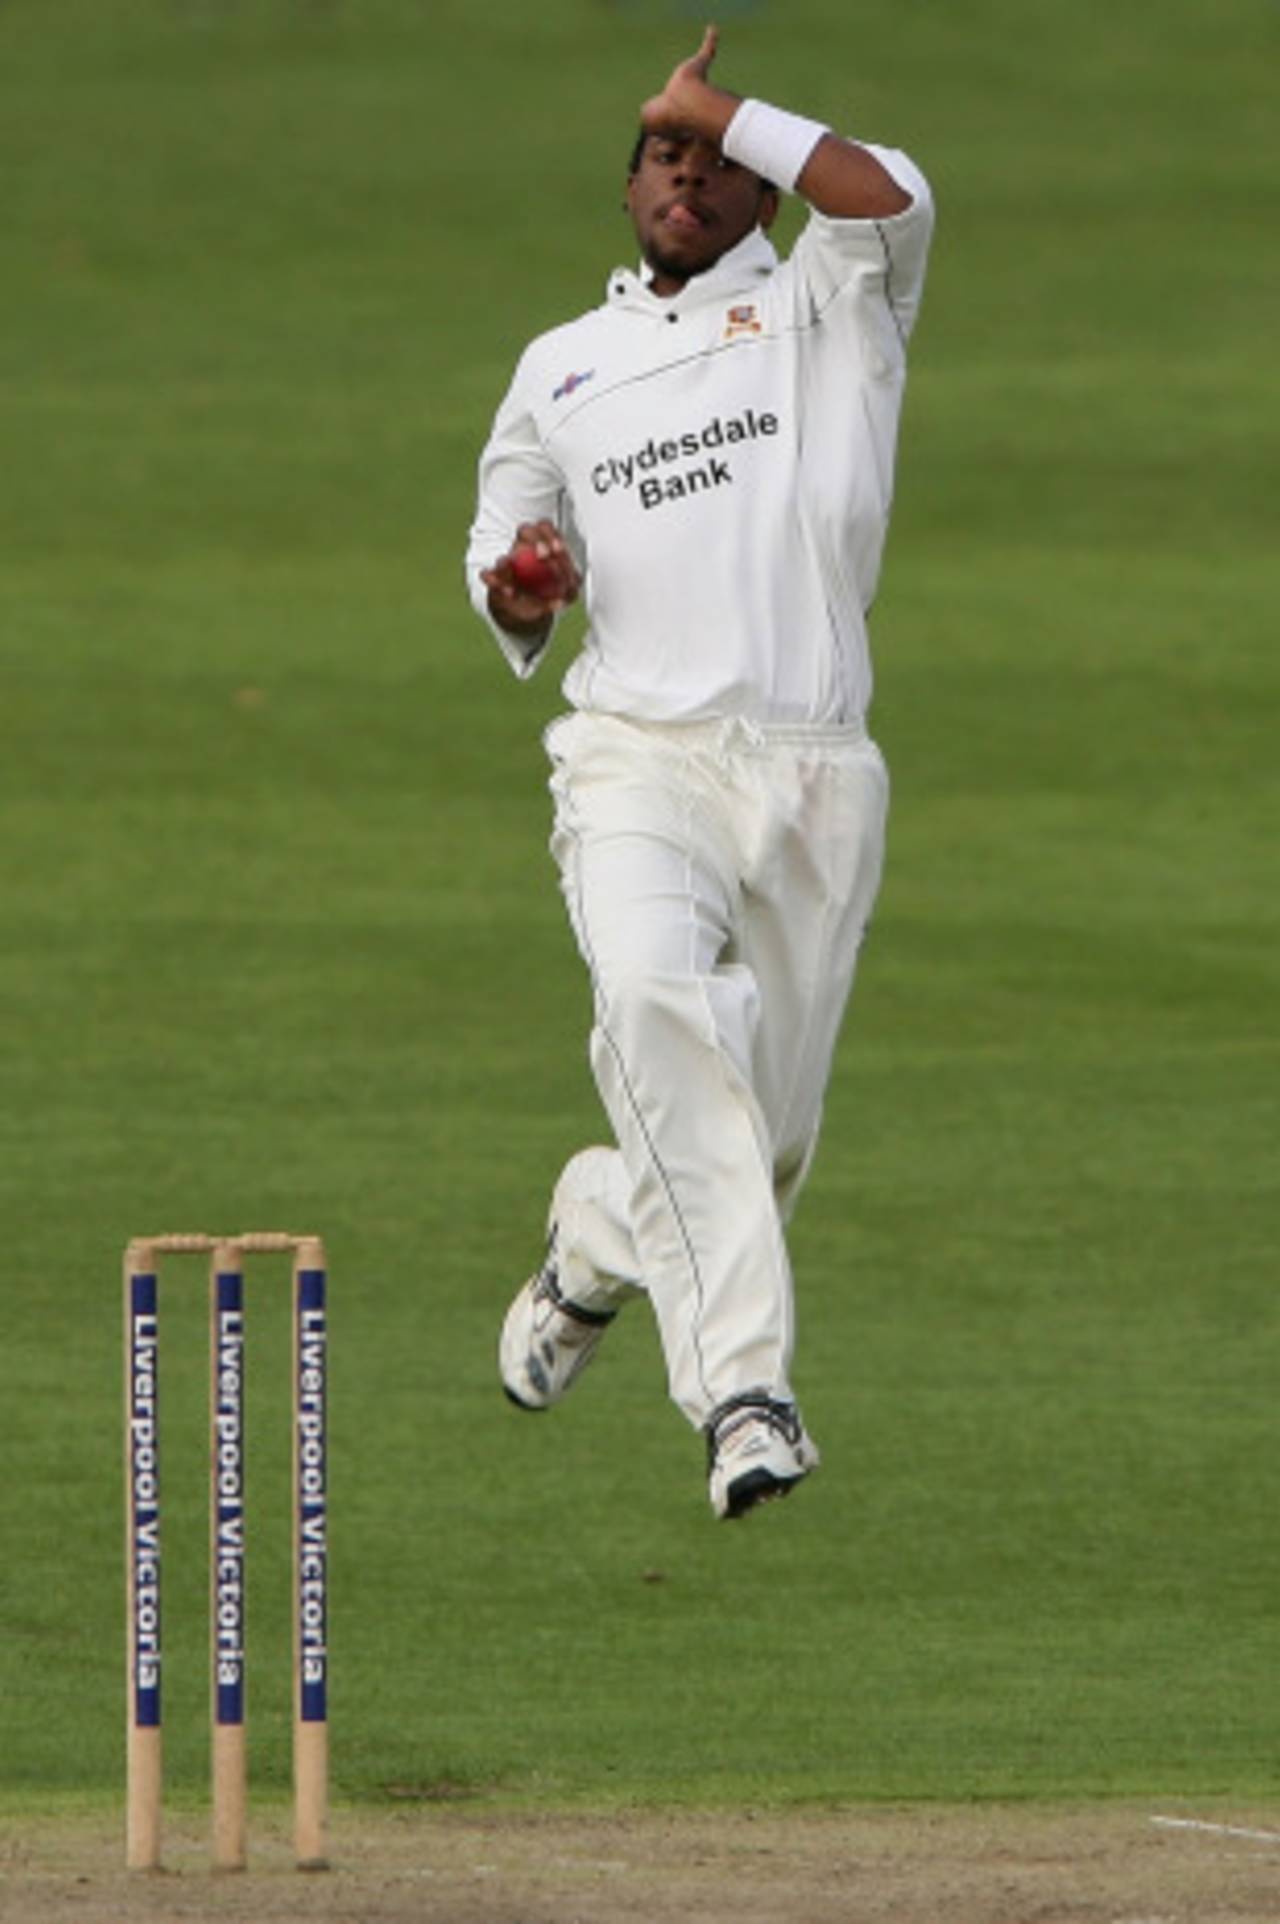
x: 683, y: 101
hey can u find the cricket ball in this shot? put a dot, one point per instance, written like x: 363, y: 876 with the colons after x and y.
x: 535, y: 576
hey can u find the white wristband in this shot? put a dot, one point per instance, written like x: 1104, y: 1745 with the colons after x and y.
x: 771, y: 142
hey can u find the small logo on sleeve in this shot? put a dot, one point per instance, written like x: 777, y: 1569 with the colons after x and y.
x: 571, y: 383
x: 742, y: 320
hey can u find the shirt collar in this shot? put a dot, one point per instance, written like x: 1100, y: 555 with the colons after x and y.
x: 750, y: 260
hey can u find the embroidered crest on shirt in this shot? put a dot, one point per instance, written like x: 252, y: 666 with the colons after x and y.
x: 742, y: 320
x: 571, y: 383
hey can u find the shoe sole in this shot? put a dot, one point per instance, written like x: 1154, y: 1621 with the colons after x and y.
x: 534, y: 1409
x: 754, y: 1487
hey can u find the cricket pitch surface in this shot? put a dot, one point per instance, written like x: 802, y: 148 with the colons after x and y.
x: 429, y: 1863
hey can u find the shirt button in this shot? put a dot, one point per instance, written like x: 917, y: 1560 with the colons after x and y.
x: 673, y: 318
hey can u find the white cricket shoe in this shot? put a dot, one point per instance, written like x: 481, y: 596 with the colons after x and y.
x: 546, y: 1340
x: 756, y: 1450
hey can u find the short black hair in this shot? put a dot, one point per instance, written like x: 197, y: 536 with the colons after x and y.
x: 637, y: 152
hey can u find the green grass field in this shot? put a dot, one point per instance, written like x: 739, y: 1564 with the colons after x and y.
x: 282, y: 944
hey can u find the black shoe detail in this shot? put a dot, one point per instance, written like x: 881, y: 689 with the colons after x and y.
x: 534, y: 1409
x: 756, y: 1486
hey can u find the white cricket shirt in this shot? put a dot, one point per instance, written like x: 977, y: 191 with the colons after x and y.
x: 721, y: 466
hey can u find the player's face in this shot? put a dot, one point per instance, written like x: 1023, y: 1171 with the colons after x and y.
x: 690, y: 205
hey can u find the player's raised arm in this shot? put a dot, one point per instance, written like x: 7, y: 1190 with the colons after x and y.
x: 837, y: 176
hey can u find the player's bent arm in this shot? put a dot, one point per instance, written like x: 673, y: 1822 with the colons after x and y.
x: 839, y: 178
x: 518, y: 496
x: 872, y: 260
x: 845, y: 181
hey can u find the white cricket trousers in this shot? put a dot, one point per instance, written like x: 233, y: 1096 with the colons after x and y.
x: 719, y: 877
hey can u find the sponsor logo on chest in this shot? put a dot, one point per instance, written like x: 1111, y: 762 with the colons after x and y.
x: 696, y: 461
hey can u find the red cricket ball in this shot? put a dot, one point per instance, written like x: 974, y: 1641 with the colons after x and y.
x: 535, y: 576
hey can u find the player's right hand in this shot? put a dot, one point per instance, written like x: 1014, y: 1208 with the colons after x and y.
x: 515, y: 604
x: 681, y: 104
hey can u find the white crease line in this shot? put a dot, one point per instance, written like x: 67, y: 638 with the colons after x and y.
x: 1218, y: 1830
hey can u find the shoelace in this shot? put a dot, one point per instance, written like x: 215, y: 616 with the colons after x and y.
x: 737, y: 1410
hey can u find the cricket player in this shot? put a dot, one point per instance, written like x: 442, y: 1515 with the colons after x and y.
x: 708, y: 458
